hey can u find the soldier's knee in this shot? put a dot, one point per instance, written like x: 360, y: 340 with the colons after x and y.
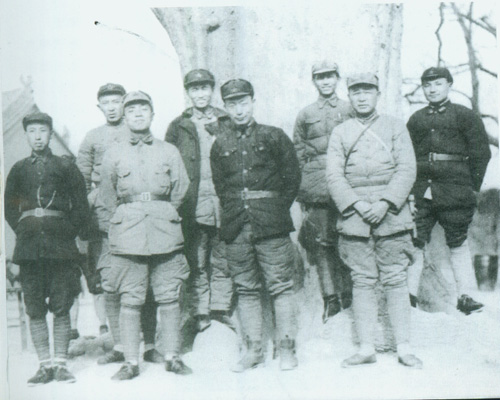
x: 36, y: 312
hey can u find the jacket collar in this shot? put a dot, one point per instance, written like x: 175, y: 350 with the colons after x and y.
x: 439, y: 107
x: 187, y: 124
x: 332, y: 100
x: 146, y: 138
x: 41, y: 157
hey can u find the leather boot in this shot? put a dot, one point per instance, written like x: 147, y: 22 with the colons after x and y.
x: 252, y: 358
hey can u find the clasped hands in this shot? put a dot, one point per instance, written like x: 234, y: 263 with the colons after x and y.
x: 372, y: 213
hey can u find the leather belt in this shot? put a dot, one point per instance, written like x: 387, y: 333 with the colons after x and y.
x: 41, y: 212
x: 144, y: 196
x: 373, y: 182
x: 446, y: 157
x: 252, y: 194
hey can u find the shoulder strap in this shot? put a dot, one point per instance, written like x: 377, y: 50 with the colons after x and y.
x: 351, y: 149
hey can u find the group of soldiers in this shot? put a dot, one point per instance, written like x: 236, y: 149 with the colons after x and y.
x: 210, y: 205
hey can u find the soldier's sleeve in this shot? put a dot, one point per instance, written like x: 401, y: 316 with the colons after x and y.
x: 79, y: 213
x: 405, y: 173
x: 12, y: 197
x: 339, y: 187
x: 288, y: 165
x: 107, y: 195
x: 217, y: 172
x: 85, y: 161
x: 171, y: 135
x: 179, y: 178
x: 299, y: 138
x: 477, y: 144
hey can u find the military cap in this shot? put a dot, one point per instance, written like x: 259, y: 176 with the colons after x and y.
x: 365, y: 78
x: 37, y: 117
x: 236, y: 88
x: 324, y: 66
x: 197, y: 76
x: 137, y: 97
x: 110, y: 88
x: 436, y: 73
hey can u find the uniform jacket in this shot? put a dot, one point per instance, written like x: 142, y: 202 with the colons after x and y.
x: 143, y: 164
x: 312, y: 131
x: 263, y: 158
x: 381, y: 166
x: 89, y: 162
x: 451, y: 129
x: 52, y: 183
x: 182, y: 133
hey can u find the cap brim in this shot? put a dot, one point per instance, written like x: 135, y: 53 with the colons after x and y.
x: 238, y: 94
x: 362, y: 83
x: 110, y: 92
x: 322, y: 71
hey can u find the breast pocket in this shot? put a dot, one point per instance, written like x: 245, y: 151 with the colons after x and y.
x: 263, y: 154
x: 227, y: 158
x: 163, y: 178
x: 313, y: 127
x: 124, y: 178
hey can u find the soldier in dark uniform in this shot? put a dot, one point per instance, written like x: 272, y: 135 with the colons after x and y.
x: 256, y: 176
x: 211, y: 289
x: 452, y: 151
x: 318, y: 234
x: 46, y: 204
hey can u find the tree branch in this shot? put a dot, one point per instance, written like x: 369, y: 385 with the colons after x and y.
x: 483, y: 24
x: 438, y: 34
x: 494, y: 74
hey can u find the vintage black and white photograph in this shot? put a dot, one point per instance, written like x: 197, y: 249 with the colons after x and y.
x: 249, y: 200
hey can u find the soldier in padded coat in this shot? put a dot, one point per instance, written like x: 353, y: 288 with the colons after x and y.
x: 370, y: 172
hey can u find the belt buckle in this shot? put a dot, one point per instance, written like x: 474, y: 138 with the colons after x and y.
x: 39, y: 212
x: 146, y: 196
x: 431, y: 157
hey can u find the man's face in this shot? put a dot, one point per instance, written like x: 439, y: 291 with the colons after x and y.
x: 363, y: 98
x: 240, y: 109
x: 138, y: 116
x: 326, y: 83
x: 200, y: 95
x: 38, y: 136
x: 436, y: 90
x: 111, y: 106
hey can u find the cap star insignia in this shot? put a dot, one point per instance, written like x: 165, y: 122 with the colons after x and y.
x: 233, y: 90
x: 198, y: 75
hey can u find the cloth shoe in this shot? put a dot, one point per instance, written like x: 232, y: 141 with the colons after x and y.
x: 358, y: 359
x: 468, y: 305
x: 61, y: 374
x: 153, y: 356
x: 45, y: 374
x: 288, y: 359
x: 252, y: 358
x: 126, y: 372
x: 411, y: 361
x: 332, y: 307
x: 177, y: 366
x: 112, y: 357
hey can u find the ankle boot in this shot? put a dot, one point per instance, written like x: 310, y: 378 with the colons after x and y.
x: 252, y: 358
x: 288, y: 359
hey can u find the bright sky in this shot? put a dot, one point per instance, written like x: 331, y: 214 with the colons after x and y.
x: 69, y: 57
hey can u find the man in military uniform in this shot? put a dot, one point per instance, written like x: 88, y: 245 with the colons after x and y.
x: 370, y: 171
x: 89, y: 161
x: 256, y: 176
x: 318, y: 235
x: 212, y: 287
x: 143, y: 182
x: 452, y: 151
x: 45, y: 205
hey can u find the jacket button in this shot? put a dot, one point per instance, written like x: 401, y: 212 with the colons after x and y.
x: 193, y: 158
x: 429, y: 180
x: 245, y: 171
x: 433, y: 130
x: 244, y: 152
x: 246, y: 206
